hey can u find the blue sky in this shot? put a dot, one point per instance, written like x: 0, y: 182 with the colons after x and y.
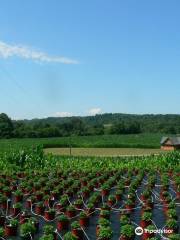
x: 67, y: 57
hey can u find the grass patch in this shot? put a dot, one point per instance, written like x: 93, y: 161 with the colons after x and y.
x: 105, y: 141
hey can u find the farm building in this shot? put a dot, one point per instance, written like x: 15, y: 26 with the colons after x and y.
x: 170, y: 143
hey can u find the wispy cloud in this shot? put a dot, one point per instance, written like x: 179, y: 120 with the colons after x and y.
x: 94, y: 111
x: 63, y: 114
x: 8, y: 50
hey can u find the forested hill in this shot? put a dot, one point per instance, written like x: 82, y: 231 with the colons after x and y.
x: 148, y: 122
x: 108, y: 123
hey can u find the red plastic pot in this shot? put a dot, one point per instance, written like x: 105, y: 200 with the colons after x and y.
x: 147, y: 235
x: 129, y: 207
x: 118, y: 197
x: 178, y: 195
x: 28, y: 203
x: 144, y: 223
x: 18, y: 199
x: 49, y: 215
x: 60, y: 207
x: 14, y: 188
x: 70, y: 214
x: 85, y: 194
x: 10, y: 231
x: 111, y: 203
x: 39, y: 197
x: 4, y: 205
x: 143, y: 198
x: 105, y: 192
x: 39, y: 210
x: 79, y: 206
x: 62, y: 225
x: 7, y: 194
x: 78, y: 233
x: 84, y: 222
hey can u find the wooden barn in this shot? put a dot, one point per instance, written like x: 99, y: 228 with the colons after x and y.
x: 170, y: 143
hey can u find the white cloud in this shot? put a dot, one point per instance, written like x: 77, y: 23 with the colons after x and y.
x: 63, y: 114
x: 7, y: 51
x: 94, y: 111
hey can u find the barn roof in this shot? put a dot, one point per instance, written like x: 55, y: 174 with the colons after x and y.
x: 173, y: 140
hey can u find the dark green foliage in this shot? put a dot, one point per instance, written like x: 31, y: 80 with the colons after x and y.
x: 6, y: 126
x: 91, y: 125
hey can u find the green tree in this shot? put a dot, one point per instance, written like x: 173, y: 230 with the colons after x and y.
x: 6, y: 126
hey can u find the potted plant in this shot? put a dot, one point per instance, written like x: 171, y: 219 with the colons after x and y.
x: 62, y: 222
x: 146, y: 219
x: 105, y: 233
x: 27, y: 230
x: 71, y: 211
x: 35, y: 222
x: 7, y: 191
x: 118, y: 193
x: 18, y: 196
x: 90, y: 208
x: 124, y: 219
x: 49, y: 230
x: 102, y: 223
x: 105, y: 189
x: 127, y: 232
x: 30, y: 200
x: 83, y: 219
x: 49, y: 214
x: 76, y: 230
x: 105, y: 214
x: 171, y: 213
x: 39, y: 195
x: 78, y: 203
x: 85, y: 192
x: 145, y: 194
x: 39, y: 208
x: 171, y: 224
x: 11, y: 228
x: 149, y: 233
x: 129, y: 204
x: 111, y: 200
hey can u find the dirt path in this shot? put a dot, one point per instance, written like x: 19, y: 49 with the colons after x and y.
x: 103, y: 151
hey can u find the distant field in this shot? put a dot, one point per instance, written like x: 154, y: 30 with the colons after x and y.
x: 104, y: 141
x: 102, y: 151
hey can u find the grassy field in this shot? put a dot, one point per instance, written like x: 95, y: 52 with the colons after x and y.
x: 102, y: 151
x: 105, y: 141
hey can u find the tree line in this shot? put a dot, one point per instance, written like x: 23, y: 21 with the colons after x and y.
x: 93, y: 125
